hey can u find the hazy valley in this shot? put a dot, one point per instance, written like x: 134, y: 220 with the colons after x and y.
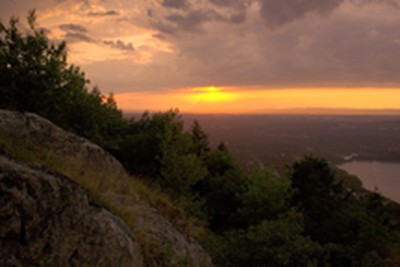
x: 276, y: 139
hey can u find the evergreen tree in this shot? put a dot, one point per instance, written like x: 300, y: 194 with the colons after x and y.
x: 201, y: 144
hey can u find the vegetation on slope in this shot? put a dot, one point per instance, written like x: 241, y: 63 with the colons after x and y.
x: 307, y: 216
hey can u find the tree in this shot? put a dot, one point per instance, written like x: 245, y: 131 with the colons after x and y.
x: 278, y: 242
x: 141, y: 150
x: 181, y: 166
x: 35, y: 77
x: 201, y: 144
x: 222, y: 189
x: 316, y: 187
x: 318, y: 196
x: 268, y: 194
x: 33, y: 71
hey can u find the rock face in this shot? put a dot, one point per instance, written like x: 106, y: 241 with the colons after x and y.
x: 46, y: 220
x: 62, y: 146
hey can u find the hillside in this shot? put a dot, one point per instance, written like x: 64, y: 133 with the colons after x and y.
x: 57, y: 191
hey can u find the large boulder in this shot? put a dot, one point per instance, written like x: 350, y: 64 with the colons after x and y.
x: 46, y: 220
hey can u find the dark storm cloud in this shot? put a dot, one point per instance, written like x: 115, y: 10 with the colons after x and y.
x: 119, y: 45
x: 278, y: 13
x: 103, y: 14
x: 72, y: 28
x: 178, y: 4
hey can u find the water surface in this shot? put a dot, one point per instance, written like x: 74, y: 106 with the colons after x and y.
x: 374, y: 174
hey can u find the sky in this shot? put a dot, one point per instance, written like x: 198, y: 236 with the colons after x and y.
x: 231, y: 56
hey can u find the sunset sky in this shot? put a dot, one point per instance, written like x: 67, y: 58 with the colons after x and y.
x: 231, y: 56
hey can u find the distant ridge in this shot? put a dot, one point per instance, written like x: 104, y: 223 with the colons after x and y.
x: 328, y: 111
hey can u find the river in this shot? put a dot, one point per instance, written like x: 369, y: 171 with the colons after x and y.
x: 374, y: 174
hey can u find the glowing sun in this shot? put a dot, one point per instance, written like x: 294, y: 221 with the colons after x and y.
x: 211, y: 94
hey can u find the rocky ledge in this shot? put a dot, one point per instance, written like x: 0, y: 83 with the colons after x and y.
x: 47, y: 219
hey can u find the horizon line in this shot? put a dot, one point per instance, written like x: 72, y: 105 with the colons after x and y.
x: 293, y: 111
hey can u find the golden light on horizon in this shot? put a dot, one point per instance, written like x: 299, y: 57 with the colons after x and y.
x: 210, y: 94
x: 245, y: 101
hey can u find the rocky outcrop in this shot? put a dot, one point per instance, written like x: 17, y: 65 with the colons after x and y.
x: 46, y: 220
x: 70, y: 150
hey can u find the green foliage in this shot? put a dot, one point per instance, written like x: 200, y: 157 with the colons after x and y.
x: 313, y: 177
x: 35, y: 77
x: 33, y: 71
x: 268, y: 195
x: 221, y: 189
x: 201, y: 144
x: 181, y: 168
x: 141, y: 150
x: 180, y: 172
x: 276, y: 242
x: 317, y: 193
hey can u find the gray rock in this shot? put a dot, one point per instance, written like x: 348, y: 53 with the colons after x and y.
x: 46, y: 220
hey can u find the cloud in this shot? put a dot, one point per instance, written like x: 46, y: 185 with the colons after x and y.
x: 194, y: 16
x: 394, y: 3
x: 305, y: 53
x: 72, y: 28
x: 260, y: 43
x: 119, y: 45
x: 79, y: 37
x: 231, y: 3
x: 178, y: 4
x: 235, y: 10
x: 191, y: 16
x: 103, y: 13
x: 278, y: 13
x: 193, y: 20
x: 76, y: 33
x: 189, y: 22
